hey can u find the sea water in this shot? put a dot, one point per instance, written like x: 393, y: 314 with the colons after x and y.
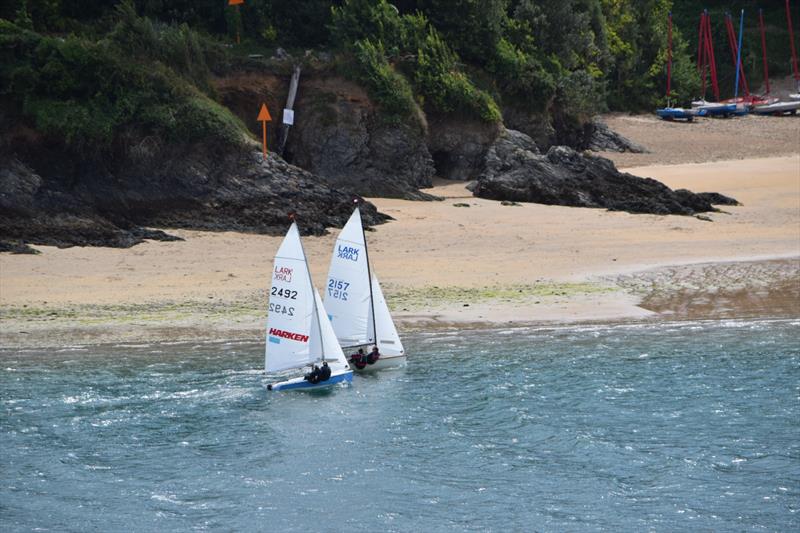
x: 664, y: 427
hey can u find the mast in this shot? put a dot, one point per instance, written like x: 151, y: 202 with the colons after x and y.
x: 669, y: 55
x: 314, y: 299
x: 712, y: 59
x: 369, y: 279
x: 735, y: 56
x: 791, y: 43
x: 763, y: 48
x: 739, y: 54
x: 702, y: 60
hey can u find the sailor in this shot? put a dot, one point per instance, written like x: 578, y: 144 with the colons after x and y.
x: 324, y: 372
x: 373, y: 356
x: 359, y: 357
x: 313, y: 376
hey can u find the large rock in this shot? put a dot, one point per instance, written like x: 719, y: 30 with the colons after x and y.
x: 537, y: 125
x: 515, y: 171
x: 50, y: 198
x: 604, y: 139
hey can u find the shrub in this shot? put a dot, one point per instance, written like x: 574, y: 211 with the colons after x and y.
x: 389, y: 88
x: 88, y: 93
x: 447, y: 89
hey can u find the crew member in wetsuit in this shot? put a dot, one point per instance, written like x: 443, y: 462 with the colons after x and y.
x: 313, y: 376
x: 373, y: 356
x: 359, y: 359
x: 324, y: 372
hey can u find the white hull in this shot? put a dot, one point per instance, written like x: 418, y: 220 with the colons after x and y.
x: 383, y: 363
x: 777, y: 108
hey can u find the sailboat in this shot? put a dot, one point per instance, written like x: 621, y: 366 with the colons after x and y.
x: 775, y: 107
x: 356, y: 305
x: 673, y: 113
x: 299, y: 333
x: 706, y: 62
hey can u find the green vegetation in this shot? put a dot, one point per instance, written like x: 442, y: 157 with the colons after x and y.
x: 86, y: 69
x: 427, y: 297
x: 141, y: 77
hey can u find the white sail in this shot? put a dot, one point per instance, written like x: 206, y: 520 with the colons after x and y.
x: 291, y: 308
x: 347, y: 296
x: 329, y: 349
x: 388, y: 340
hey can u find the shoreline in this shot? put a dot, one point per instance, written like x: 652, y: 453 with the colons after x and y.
x: 463, y: 262
x: 632, y: 298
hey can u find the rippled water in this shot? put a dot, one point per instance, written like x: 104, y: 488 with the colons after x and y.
x: 663, y: 427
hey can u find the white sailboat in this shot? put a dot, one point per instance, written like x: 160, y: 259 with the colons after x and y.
x: 355, y: 303
x: 299, y: 333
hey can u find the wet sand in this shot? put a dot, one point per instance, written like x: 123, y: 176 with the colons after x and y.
x: 441, y: 265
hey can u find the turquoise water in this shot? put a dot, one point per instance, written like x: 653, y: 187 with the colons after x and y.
x: 664, y: 427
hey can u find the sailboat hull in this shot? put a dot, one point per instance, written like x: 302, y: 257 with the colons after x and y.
x: 302, y: 384
x: 385, y: 361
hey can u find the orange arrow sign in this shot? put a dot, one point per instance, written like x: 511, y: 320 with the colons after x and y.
x: 264, y: 117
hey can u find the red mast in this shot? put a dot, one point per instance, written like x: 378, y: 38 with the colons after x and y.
x: 791, y: 42
x: 763, y: 48
x: 669, y: 55
x: 702, y: 60
x: 712, y: 59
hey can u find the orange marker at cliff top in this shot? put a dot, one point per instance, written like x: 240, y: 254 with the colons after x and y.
x: 264, y: 117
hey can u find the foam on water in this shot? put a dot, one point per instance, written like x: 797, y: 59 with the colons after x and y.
x: 678, y: 426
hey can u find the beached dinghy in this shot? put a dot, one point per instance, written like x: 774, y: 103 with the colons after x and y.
x: 355, y: 303
x: 778, y: 108
x: 679, y: 113
x: 674, y: 113
x: 714, y: 109
x: 299, y: 333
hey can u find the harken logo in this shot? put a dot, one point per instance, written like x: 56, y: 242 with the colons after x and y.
x: 283, y: 274
x: 347, y: 252
x: 288, y: 335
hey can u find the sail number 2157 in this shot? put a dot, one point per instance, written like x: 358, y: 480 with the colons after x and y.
x: 338, y: 289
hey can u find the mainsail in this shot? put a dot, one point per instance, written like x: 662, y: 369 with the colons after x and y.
x: 347, y: 294
x: 356, y: 311
x: 290, y: 322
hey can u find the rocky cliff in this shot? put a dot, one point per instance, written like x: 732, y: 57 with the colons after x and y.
x: 339, y: 133
x: 49, y: 198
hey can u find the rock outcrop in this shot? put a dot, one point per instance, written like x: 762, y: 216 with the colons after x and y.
x: 604, y: 139
x: 459, y: 146
x: 338, y: 133
x: 51, y: 199
x: 515, y: 171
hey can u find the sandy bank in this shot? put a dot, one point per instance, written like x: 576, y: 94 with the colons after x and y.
x: 508, y: 264
x: 704, y: 140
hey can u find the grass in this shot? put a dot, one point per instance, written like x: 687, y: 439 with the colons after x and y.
x: 434, y: 296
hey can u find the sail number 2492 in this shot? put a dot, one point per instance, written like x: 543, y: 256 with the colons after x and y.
x: 338, y: 289
x: 284, y: 293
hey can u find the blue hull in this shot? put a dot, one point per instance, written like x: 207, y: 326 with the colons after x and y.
x: 301, y: 384
x: 721, y: 111
x: 677, y: 113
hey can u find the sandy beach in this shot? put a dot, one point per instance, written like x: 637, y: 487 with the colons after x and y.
x: 460, y: 262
